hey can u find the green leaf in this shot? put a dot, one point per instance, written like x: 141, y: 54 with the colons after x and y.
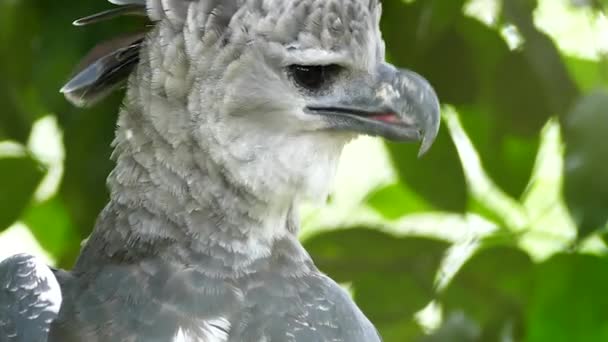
x: 587, y: 74
x: 87, y: 139
x: 568, y: 300
x: 419, y: 24
x: 519, y: 99
x: 561, y: 299
x: 586, y: 184
x: 455, y: 82
x: 492, y: 289
x: 39, y: 48
x: 506, y: 157
x: 20, y: 37
x: 504, y: 129
x: 497, y: 87
x: 598, y: 5
x: 456, y: 327
x: 543, y: 57
x: 420, y: 35
x: 505, y: 138
x: 392, y: 278
x: 19, y: 179
x: 395, y: 200
x: 400, y: 330
x: 437, y: 176
x: 51, y: 224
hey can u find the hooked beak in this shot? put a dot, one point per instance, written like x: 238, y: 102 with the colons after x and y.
x: 395, y: 104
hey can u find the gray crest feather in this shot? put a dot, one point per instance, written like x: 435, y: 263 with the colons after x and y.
x: 128, y: 2
x: 110, y: 14
x: 104, y: 69
x: 174, y: 10
x: 110, y: 63
x: 219, y: 13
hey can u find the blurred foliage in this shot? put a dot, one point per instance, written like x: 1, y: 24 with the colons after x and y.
x: 507, y: 83
x: 20, y: 177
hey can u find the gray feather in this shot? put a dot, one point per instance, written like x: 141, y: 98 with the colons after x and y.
x: 173, y: 10
x: 29, y: 299
x: 128, y: 2
x: 198, y: 242
x: 137, y: 10
x: 106, y: 68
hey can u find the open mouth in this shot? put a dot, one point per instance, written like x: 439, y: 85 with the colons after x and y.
x: 389, y: 118
x: 384, y: 122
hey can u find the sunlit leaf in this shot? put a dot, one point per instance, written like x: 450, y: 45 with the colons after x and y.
x: 494, y: 123
x: 588, y: 74
x: 51, y: 224
x: 395, y: 200
x: 506, y: 157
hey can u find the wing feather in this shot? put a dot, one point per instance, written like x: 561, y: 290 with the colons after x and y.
x: 30, y: 298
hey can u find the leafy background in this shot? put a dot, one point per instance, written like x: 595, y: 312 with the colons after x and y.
x: 498, y: 234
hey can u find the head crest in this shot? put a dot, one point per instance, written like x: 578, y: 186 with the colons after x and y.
x: 110, y: 63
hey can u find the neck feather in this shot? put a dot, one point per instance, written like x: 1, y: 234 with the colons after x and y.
x: 174, y: 192
x: 182, y: 181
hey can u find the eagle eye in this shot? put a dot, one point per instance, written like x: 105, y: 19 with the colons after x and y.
x: 313, y: 78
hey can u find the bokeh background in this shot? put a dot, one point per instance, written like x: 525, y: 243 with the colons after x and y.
x: 497, y: 234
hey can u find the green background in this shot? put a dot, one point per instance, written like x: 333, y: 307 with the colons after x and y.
x: 497, y: 234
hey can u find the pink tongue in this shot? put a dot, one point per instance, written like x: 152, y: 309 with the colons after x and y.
x: 390, y: 118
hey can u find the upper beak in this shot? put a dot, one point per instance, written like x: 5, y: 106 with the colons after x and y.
x: 396, y: 104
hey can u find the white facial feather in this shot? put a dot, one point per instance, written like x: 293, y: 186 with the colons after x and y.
x: 212, y: 95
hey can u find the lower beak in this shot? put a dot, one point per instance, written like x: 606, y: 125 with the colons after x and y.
x: 396, y: 104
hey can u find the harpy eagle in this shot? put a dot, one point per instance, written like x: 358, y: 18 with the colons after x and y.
x: 236, y: 110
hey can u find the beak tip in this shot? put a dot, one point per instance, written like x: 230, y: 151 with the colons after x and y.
x: 422, y: 103
x: 424, y: 148
x: 427, y: 142
x: 431, y: 128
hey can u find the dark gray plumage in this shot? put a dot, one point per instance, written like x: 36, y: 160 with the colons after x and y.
x: 235, y: 111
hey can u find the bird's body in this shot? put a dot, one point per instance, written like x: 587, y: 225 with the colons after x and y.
x: 278, y: 298
x: 222, y: 133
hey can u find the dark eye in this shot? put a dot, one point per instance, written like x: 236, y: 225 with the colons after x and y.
x: 313, y: 77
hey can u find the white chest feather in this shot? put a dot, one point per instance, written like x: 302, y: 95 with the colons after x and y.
x: 215, y: 330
